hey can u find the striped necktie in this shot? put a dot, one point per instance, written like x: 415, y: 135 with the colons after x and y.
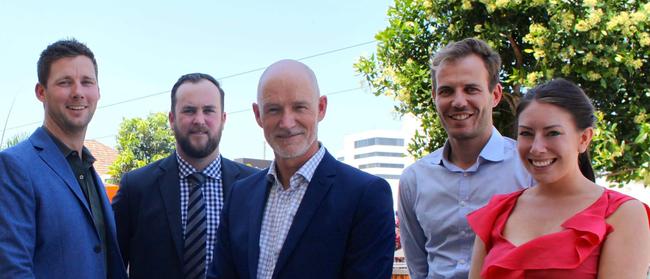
x: 195, y: 230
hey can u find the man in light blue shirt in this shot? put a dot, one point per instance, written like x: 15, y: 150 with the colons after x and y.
x: 476, y: 162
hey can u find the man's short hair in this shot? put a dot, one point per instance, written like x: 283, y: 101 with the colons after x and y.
x: 464, y: 48
x: 57, y: 50
x: 195, y: 78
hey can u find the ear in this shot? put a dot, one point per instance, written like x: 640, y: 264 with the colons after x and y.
x: 322, y: 107
x: 223, y: 118
x: 256, y: 111
x: 39, y: 90
x: 585, y: 138
x: 497, y: 93
x: 171, y: 119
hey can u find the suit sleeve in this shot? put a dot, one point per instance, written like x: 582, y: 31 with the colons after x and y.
x: 222, y: 265
x: 411, y: 233
x: 122, y: 214
x: 371, y: 245
x: 17, y: 219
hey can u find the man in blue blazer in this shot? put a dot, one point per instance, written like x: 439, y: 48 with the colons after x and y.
x: 153, y: 205
x: 55, y: 219
x: 308, y: 215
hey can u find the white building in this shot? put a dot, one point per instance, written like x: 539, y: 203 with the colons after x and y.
x: 380, y: 152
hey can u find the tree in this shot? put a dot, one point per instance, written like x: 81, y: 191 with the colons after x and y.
x: 603, y: 46
x: 140, y: 142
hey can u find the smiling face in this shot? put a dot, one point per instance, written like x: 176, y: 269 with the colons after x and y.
x: 69, y: 96
x: 464, y: 100
x: 289, y: 109
x: 549, y: 142
x: 197, y: 120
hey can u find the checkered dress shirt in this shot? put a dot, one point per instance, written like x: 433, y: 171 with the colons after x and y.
x: 281, y: 207
x: 212, y: 194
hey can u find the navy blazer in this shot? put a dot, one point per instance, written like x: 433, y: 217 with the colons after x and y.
x: 46, y: 227
x: 344, y: 228
x: 148, y: 215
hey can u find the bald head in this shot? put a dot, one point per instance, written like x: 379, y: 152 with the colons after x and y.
x: 288, y: 74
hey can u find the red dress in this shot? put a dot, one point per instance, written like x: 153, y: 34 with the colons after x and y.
x: 571, y: 253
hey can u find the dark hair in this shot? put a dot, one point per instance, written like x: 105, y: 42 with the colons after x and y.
x: 568, y: 96
x: 195, y: 78
x: 61, y: 49
x: 464, y: 48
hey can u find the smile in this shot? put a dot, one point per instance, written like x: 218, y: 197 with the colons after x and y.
x: 76, y: 107
x: 460, y: 116
x: 541, y: 163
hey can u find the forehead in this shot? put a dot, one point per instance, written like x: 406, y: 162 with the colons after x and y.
x: 543, y: 114
x: 288, y: 89
x: 201, y: 93
x: 77, y: 66
x: 464, y: 70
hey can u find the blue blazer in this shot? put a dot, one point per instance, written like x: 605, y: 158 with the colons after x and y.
x: 148, y: 214
x: 46, y: 228
x: 344, y: 228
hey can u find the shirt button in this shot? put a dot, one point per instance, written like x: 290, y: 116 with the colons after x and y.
x: 81, y: 176
x: 461, y: 262
x: 97, y: 249
x: 462, y: 203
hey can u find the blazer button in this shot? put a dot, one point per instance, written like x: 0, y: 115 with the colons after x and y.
x: 97, y: 249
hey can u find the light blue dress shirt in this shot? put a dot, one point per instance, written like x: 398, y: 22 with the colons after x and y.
x: 435, y: 196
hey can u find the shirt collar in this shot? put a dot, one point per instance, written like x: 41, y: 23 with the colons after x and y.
x: 494, y: 149
x: 307, y: 170
x: 213, y: 170
x: 86, y: 156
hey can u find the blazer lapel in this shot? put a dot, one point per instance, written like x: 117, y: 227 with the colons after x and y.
x: 51, y: 155
x: 170, y: 191
x: 320, y: 184
x: 256, y: 206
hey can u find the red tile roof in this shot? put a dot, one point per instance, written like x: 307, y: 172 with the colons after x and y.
x: 104, y: 155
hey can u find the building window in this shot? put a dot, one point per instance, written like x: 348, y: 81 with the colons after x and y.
x: 378, y: 154
x: 379, y: 141
x: 381, y: 165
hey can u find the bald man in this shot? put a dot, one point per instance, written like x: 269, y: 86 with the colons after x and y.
x: 308, y: 215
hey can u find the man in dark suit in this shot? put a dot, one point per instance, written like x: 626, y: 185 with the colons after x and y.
x: 308, y: 215
x: 167, y: 212
x: 55, y: 219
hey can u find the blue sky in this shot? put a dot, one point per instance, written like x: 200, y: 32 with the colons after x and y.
x: 142, y: 47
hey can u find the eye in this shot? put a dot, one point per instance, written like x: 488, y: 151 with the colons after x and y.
x: 525, y: 134
x: 472, y: 90
x: 188, y: 110
x: 64, y: 82
x: 554, y: 133
x: 444, y: 92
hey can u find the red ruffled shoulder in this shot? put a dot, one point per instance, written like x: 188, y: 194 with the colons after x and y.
x: 482, y: 220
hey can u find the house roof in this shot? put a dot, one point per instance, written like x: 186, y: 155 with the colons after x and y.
x: 104, y: 156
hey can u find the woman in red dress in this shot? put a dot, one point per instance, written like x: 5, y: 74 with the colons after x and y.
x: 567, y: 226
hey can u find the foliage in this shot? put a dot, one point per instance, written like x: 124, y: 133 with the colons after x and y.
x: 140, y: 142
x: 601, y: 45
x: 14, y: 140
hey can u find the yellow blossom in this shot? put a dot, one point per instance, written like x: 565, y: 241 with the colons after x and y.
x: 638, y: 17
x: 501, y: 3
x: 593, y: 76
x: 582, y: 26
x: 588, y: 58
x: 478, y: 28
x: 467, y: 5
x: 636, y: 64
x: 644, y: 39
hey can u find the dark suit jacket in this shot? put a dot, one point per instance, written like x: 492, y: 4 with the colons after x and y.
x: 148, y: 215
x: 344, y: 228
x: 46, y: 228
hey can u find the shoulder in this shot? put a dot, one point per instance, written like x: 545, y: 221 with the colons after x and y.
x: 625, y: 209
x: 151, y: 171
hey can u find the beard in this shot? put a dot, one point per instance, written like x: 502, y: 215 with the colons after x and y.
x: 197, y: 151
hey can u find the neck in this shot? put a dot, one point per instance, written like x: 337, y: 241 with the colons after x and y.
x: 198, y: 163
x: 74, y: 141
x: 287, y: 167
x: 464, y: 152
x: 571, y: 184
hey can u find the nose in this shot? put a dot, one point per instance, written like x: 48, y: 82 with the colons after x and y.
x: 199, y: 118
x: 538, y: 146
x: 288, y: 120
x: 459, y: 100
x: 76, y: 90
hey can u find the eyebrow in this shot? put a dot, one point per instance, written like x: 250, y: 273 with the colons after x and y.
x: 545, y: 128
